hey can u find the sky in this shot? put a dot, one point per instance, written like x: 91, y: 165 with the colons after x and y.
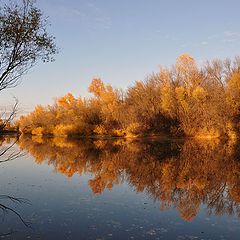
x: 124, y: 41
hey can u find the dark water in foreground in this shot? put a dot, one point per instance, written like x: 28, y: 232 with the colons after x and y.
x: 117, y: 190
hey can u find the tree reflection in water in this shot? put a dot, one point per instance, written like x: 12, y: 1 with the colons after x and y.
x: 179, y: 174
x: 8, y: 153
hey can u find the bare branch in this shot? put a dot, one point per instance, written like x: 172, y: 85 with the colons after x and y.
x: 7, y: 118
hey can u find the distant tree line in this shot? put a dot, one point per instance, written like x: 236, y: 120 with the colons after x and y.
x: 181, y: 100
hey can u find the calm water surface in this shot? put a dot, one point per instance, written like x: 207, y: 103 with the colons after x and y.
x: 99, y: 189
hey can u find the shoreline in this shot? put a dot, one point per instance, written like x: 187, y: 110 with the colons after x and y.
x: 162, y: 137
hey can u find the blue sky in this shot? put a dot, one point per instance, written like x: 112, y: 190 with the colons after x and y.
x: 123, y: 41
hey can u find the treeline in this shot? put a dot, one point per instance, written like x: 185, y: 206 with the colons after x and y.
x: 181, y: 100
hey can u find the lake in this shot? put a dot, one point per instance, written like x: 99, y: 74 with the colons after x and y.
x: 117, y: 189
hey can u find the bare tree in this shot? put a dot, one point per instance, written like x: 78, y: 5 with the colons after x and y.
x: 23, y: 41
x: 6, y: 117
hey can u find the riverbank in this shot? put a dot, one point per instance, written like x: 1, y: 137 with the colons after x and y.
x: 155, y: 137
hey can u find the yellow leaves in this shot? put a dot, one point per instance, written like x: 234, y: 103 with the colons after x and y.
x: 118, y: 132
x: 66, y: 101
x: 201, y: 183
x: 38, y: 131
x: 186, y: 64
x: 39, y: 109
x: 178, y: 100
x: 133, y: 128
x: 24, y: 125
x: 167, y: 99
x: 181, y: 96
x: 107, y: 99
x: 62, y: 142
x: 37, y: 139
x: 231, y: 131
x: 235, y: 193
x: 167, y: 170
x: 64, y: 130
x: 180, y: 93
x: 199, y: 94
x: 96, y: 87
x: 234, y: 82
x: 204, y: 133
x: 100, y: 144
x: 100, y: 130
x: 233, y: 92
x: 186, y: 70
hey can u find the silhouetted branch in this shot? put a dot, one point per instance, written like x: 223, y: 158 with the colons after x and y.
x: 6, y: 118
x: 12, y: 155
x: 6, y: 209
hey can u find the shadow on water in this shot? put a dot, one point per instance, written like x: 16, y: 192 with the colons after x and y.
x: 177, y: 174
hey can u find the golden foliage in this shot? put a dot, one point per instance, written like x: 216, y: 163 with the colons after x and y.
x: 200, y: 94
x: 100, y: 130
x: 182, y: 100
x: 38, y: 131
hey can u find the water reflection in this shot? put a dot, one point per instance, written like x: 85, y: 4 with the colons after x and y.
x: 8, y: 204
x: 178, y: 174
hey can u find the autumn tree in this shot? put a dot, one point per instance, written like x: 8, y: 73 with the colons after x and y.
x: 23, y: 41
x: 167, y: 91
x: 182, y: 100
x: 202, y: 108
x: 187, y: 72
x: 109, y: 102
x: 145, y: 103
x: 233, y: 89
